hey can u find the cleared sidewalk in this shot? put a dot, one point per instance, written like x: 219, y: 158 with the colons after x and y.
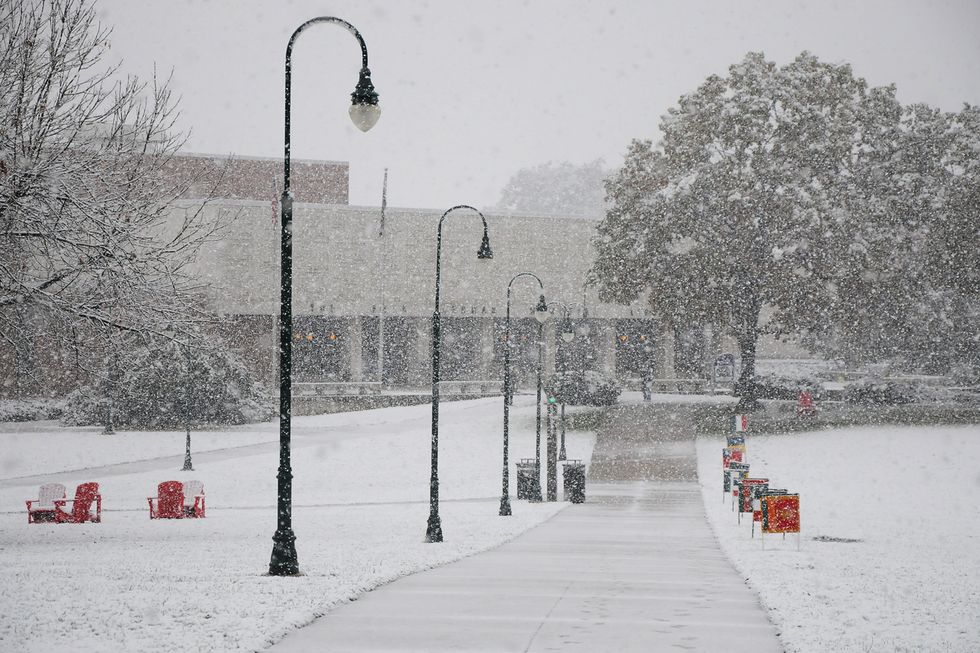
x: 636, y: 568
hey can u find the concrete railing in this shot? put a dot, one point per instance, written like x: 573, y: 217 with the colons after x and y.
x: 336, y: 389
x: 680, y: 386
x: 477, y: 387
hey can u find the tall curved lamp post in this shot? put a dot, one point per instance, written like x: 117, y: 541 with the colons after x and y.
x: 364, y: 112
x: 186, y: 376
x: 541, y: 315
x: 433, y: 531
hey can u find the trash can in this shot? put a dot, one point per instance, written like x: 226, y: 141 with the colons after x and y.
x: 574, y: 481
x: 525, y: 480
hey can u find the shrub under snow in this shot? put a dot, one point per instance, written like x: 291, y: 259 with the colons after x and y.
x: 156, y: 389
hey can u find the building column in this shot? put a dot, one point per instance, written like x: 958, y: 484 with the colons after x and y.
x: 551, y: 348
x: 354, y: 348
x: 712, y: 349
x: 486, y: 336
x: 668, y: 339
x: 659, y: 362
x: 606, y: 346
x: 422, y: 357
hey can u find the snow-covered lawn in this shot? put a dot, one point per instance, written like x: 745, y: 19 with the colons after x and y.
x: 41, y: 447
x: 907, y: 495
x: 361, y: 505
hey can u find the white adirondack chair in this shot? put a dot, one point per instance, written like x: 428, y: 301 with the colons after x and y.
x: 41, y: 509
x: 193, y: 499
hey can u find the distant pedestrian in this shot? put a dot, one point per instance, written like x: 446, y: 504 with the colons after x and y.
x: 646, y: 384
x: 805, y: 407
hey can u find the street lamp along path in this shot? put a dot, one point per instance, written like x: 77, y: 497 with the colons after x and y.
x: 364, y: 112
x: 433, y: 531
x: 567, y: 336
x: 541, y: 315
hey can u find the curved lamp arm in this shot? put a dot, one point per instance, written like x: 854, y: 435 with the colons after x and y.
x: 540, y: 285
x: 364, y: 95
x: 483, y: 253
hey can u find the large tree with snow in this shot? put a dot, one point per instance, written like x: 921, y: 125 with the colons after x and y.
x: 753, y: 200
x: 908, y: 294
x: 87, y: 243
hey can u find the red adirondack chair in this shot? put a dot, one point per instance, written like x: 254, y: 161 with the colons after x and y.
x: 805, y: 406
x: 81, y: 509
x: 169, y: 501
x: 194, y: 499
x: 41, y: 509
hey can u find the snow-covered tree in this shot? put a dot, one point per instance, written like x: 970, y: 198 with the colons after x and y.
x: 800, y: 189
x: 746, y: 206
x: 164, y: 383
x: 910, y: 293
x: 559, y: 188
x: 86, y: 245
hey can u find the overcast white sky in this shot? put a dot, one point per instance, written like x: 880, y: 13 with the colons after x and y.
x: 473, y: 90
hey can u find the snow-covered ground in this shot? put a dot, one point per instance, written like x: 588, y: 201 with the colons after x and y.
x: 908, y: 497
x: 41, y: 447
x: 361, y: 505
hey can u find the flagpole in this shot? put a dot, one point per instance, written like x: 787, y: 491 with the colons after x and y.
x: 381, y: 283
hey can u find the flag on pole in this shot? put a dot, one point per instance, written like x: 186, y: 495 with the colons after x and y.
x: 740, y: 423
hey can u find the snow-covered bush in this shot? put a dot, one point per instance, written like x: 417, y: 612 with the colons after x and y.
x: 159, y: 388
x: 779, y: 387
x: 583, y: 388
x: 965, y: 374
x: 28, y: 410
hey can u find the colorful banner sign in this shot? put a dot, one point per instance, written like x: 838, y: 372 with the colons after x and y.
x: 757, y: 501
x: 740, y: 423
x: 732, y: 476
x: 748, y: 492
x: 781, y: 513
x: 735, y: 440
x: 729, y: 456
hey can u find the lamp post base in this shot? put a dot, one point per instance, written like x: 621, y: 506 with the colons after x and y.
x: 505, y: 507
x: 535, y: 496
x: 433, y: 532
x: 188, y: 466
x: 284, y: 560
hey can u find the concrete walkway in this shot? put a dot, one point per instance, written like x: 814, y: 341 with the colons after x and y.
x: 636, y: 568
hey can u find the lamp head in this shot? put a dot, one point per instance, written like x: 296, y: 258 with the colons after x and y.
x: 541, y: 313
x: 485, y: 252
x: 364, y: 110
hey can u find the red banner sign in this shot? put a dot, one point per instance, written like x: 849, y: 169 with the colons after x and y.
x: 781, y: 513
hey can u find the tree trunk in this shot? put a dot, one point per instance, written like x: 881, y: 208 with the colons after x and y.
x: 748, y: 336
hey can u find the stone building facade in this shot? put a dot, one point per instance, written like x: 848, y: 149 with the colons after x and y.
x: 364, y: 292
